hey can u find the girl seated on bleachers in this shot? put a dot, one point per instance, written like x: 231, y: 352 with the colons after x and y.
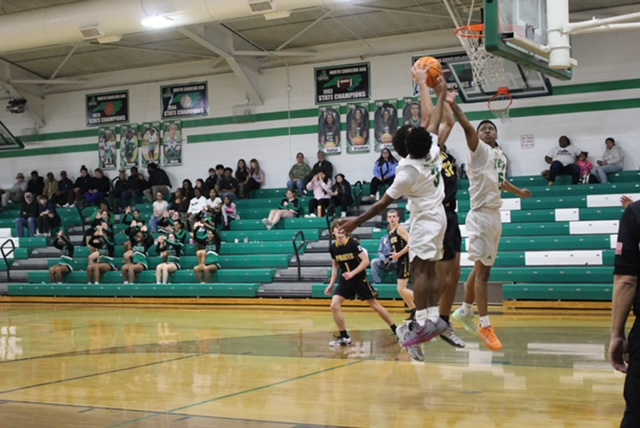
x: 321, y: 185
x: 63, y: 268
x: 207, y: 258
x: 229, y: 212
x: 289, y: 208
x: 141, y: 241
x: 171, y: 249
x: 102, y: 241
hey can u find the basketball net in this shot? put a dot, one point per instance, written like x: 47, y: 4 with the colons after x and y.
x: 486, y: 66
x: 500, y: 103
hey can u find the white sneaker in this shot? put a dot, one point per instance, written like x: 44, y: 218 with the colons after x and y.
x: 72, y: 206
x: 66, y: 205
x: 343, y: 214
x: 340, y: 341
x: 312, y: 215
x: 266, y: 222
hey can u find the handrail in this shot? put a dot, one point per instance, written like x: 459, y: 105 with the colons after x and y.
x: 329, y: 219
x: 296, y: 249
x: 5, y: 255
x: 357, y: 196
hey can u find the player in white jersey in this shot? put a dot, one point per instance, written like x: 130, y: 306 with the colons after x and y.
x: 418, y: 178
x: 486, y: 167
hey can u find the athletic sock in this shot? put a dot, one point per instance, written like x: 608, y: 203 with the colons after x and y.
x: 343, y: 333
x: 484, y: 321
x: 466, y: 309
x: 393, y: 328
x: 421, y: 316
x: 445, y: 318
x: 433, y: 313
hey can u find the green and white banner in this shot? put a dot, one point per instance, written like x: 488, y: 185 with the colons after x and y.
x: 329, y: 133
x: 172, y: 143
x: 107, y: 152
x: 386, y: 123
x: 358, y: 128
x: 150, y: 149
x: 129, y: 146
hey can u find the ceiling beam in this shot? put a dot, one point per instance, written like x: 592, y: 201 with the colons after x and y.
x: 275, y: 53
x: 219, y: 41
x: 160, y: 51
x: 64, y: 61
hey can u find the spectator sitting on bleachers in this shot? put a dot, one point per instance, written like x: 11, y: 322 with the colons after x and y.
x: 256, y: 178
x: 229, y: 213
x: 384, y: 262
x: 65, y: 186
x: 15, y: 193
x: 214, y: 207
x: 171, y: 249
x: 35, y: 184
x: 320, y: 185
x: 562, y: 160
x: 612, y: 161
x: 585, y: 166
x: 298, y: 173
x: 242, y: 174
x: 227, y: 185
x: 202, y: 186
x: 99, y: 187
x: 28, y: 216
x: 158, y: 182
x: 102, y: 240
x: 211, y: 180
x: 48, y: 216
x: 141, y: 241
x: 63, y: 268
x: 119, y: 186
x: 341, y: 195
x: 50, y: 187
x: 160, y: 208
x: 289, y: 208
x: 322, y: 165
x: 384, y: 172
x: 188, y: 189
x: 180, y: 203
x: 208, y: 259
x: 80, y: 187
x: 197, y: 208
x: 136, y: 184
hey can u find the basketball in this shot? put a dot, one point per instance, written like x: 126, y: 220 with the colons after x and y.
x: 357, y: 141
x: 433, y: 73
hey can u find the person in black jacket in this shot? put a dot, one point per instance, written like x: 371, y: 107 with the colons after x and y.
x: 48, y: 216
x: 341, y: 195
x: 322, y: 165
x: 135, y: 186
x: 98, y: 188
x: 65, y: 186
x: 80, y: 187
x: 158, y: 182
x: 35, y: 184
x: 28, y: 216
x: 63, y: 268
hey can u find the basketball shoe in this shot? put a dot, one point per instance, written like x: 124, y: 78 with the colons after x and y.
x: 468, y: 321
x: 489, y: 338
x: 450, y: 336
x: 340, y: 341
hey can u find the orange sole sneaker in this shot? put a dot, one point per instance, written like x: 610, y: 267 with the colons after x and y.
x: 489, y: 338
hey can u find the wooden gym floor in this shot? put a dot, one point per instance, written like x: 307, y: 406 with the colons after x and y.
x: 271, y: 367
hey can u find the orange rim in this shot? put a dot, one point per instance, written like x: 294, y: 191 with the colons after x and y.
x: 475, y: 31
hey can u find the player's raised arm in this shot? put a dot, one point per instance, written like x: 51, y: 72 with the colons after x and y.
x: 469, y: 131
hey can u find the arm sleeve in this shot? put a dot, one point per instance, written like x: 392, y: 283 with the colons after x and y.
x: 627, y: 261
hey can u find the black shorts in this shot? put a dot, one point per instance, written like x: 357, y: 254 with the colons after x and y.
x: 403, y: 268
x: 452, y: 242
x: 359, y: 286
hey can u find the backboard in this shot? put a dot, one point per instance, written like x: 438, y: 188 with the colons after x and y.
x: 7, y: 140
x: 518, y: 31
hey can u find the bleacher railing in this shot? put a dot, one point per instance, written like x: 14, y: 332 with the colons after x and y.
x: 6, y: 254
x: 296, y: 249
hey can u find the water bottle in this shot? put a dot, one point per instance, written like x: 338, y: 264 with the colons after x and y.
x: 319, y: 210
x: 246, y: 239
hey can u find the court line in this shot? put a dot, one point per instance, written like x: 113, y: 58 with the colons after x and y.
x: 177, y: 410
x: 101, y: 373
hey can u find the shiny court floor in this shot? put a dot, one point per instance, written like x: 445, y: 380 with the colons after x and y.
x: 137, y: 366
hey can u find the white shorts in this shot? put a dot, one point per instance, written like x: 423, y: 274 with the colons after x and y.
x: 426, y: 233
x: 484, y: 227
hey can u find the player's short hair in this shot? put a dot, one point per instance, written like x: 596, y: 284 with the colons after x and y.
x: 486, y: 121
x: 419, y: 143
x: 393, y: 211
x: 400, y: 138
x: 338, y: 223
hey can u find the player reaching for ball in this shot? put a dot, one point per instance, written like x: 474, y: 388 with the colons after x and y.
x: 432, y: 67
x: 486, y: 167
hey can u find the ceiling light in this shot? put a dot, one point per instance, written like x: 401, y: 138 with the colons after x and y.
x: 157, y: 22
x: 277, y: 15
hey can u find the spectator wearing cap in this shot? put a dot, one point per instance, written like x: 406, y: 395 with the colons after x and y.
x: 28, y: 216
x: 35, y: 184
x: 322, y: 165
x: 65, y: 185
x: 50, y: 186
x: 158, y: 182
x: 611, y: 162
x: 15, y: 193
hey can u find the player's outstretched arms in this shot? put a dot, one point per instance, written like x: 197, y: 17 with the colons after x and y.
x: 469, y: 131
x: 521, y: 193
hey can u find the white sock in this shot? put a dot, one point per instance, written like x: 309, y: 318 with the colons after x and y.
x: 467, y: 309
x: 433, y: 314
x: 421, y: 316
x: 484, y: 321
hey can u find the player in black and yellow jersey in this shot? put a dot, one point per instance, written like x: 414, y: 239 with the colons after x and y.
x: 399, y: 239
x: 350, y: 261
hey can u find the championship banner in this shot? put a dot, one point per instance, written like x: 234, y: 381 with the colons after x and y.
x: 186, y: 100
x: 343, y: 83
x: 358, y: 128
x: 411, y: 113
x: 386, y: 123
x: 172, y: 143
x: 108, y: 108
x: 329, y: 134
x: 150, y: 149
x: 129, y: 146
x: 107, y: 148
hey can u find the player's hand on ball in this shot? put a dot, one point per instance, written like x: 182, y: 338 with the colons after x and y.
x: 419, y: 74
x: 451, y: 97
x: 441, y: 86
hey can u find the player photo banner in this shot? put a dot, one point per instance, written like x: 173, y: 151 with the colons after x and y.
x: 129, y: 146
x: 329, y: 126
x: 108, y: 108
x: 386, y: 123
x: 150, y: 148
x: 172, y: 143
x: 186, y: 100
x: 411, y: 112
x: 107, y: 148
x: 358, y: 128
x: 342, y: 84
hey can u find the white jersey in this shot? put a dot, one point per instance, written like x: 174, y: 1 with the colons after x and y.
x: 486, y: 168
x: 420, y: 180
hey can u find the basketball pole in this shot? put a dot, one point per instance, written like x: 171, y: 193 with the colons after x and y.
x: 559, y: 42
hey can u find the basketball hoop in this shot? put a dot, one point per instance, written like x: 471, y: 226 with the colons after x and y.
x: 500, y: 103
x: 486, y: 66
